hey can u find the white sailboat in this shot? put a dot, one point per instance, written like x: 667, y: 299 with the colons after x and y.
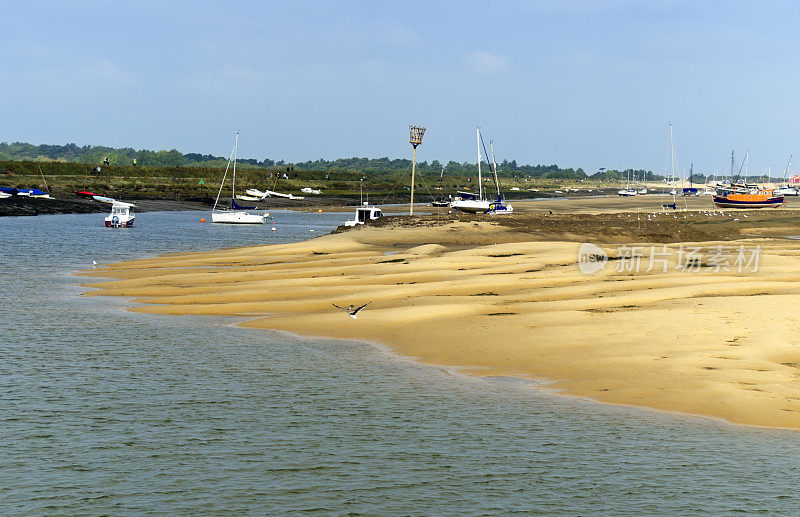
x: 627, y: 191
x: 499, y: 206
x: 467, y: 201
x: 236, y: 214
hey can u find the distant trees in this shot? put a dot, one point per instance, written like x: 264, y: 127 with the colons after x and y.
x: 359, y: 165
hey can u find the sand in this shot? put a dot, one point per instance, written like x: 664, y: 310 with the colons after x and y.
x: 502, y: 298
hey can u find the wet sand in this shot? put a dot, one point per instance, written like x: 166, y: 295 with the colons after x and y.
x: 505, y: 296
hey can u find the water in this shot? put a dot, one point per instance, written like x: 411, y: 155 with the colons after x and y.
x: 110, y: 412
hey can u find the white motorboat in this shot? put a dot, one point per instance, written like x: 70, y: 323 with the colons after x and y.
x: 365, y: 214
x: 627, y: 192
x: 236, y: 214
x: 4, y: 195
x: 121, y: 215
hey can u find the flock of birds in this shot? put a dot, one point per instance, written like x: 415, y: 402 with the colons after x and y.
x: 652, y: 216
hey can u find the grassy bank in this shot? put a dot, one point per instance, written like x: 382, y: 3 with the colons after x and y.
x: 202, y: 184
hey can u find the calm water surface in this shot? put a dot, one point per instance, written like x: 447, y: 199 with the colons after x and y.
x: 109, y: 412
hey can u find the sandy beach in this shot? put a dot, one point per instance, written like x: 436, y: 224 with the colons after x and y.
x: 667, y: 325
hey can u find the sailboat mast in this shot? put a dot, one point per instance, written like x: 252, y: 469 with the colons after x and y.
x: 786, y: 172
x: 222, y: 183
x: 494, y: 167
x: 671, y: 157
x: 235, y: 149
x: 480, y: 180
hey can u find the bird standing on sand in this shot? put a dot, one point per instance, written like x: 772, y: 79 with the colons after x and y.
x: 352, y: 310
x: 94, y: 264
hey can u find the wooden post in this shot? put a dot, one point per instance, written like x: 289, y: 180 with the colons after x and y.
x: 413, y: 170
x: 415, y: 139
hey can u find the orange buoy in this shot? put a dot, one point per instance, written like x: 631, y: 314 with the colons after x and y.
x: 202, y: 220
x: 319, y: 211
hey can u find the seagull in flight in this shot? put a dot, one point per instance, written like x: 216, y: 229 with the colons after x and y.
x: 352, y: 310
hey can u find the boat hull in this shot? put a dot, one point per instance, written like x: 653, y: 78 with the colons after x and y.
x: 470, y: 206
x: 748, y: 201
x: 237, y: 218
x: 122, y: 224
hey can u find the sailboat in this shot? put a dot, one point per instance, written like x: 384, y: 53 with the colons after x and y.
x: 627, y: 191
x: 499, y: 206
x: 236, y: 214
x: 786, y: 189
x: 440, y: 200
x: 467, y: 201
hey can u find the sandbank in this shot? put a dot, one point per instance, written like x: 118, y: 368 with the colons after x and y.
x: 506, y: 297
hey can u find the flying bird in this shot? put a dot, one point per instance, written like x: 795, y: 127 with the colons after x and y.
x: 352, y: 310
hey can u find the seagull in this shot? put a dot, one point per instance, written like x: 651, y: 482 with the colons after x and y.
x: 94, y: 264
x: 352, y: 310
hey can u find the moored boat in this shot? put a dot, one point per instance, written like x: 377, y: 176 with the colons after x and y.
x: 236, y: 214
x: 121, y: 215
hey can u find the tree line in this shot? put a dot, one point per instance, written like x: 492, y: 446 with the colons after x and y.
x: 96, y: 154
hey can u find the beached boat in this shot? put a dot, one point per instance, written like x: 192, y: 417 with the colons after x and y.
x: 33, y: 192
x: 627, y: 191
x: 236, y: 214
x: 104, y: 199
x: 4, y: 195
x: 121, y: 215
x: 760, y: 199
x: 498, y: 207
x: 260, y: 195
x: 786, y: 190
x: 365, y: 214
x: 85, y: 194
x: 467, y: 201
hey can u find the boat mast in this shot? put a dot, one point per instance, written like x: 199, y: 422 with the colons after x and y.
x: 235, y: 149
x: 494, y: 167
x: 222, y: 183
x: 480, y: 180
x: 672, y: 158
x: 786, y: 172
x: 746, y: 165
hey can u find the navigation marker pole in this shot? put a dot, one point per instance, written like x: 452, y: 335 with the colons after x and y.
x: 415, y: 139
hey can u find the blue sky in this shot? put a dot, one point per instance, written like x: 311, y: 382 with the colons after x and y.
x: 575, y: 83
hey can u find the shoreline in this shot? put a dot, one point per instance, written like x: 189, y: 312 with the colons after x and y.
x: 493, y: 300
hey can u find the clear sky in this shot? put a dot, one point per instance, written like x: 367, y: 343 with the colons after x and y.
x: 589, y: 83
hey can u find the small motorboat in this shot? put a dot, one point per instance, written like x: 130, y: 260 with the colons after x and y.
x: 365, y: 214
x: 121, y: 215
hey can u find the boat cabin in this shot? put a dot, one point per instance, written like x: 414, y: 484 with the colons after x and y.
x: 365, y: 214
x: 121, y: 215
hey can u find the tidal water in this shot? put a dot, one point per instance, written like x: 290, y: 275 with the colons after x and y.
x: 103, y: 411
